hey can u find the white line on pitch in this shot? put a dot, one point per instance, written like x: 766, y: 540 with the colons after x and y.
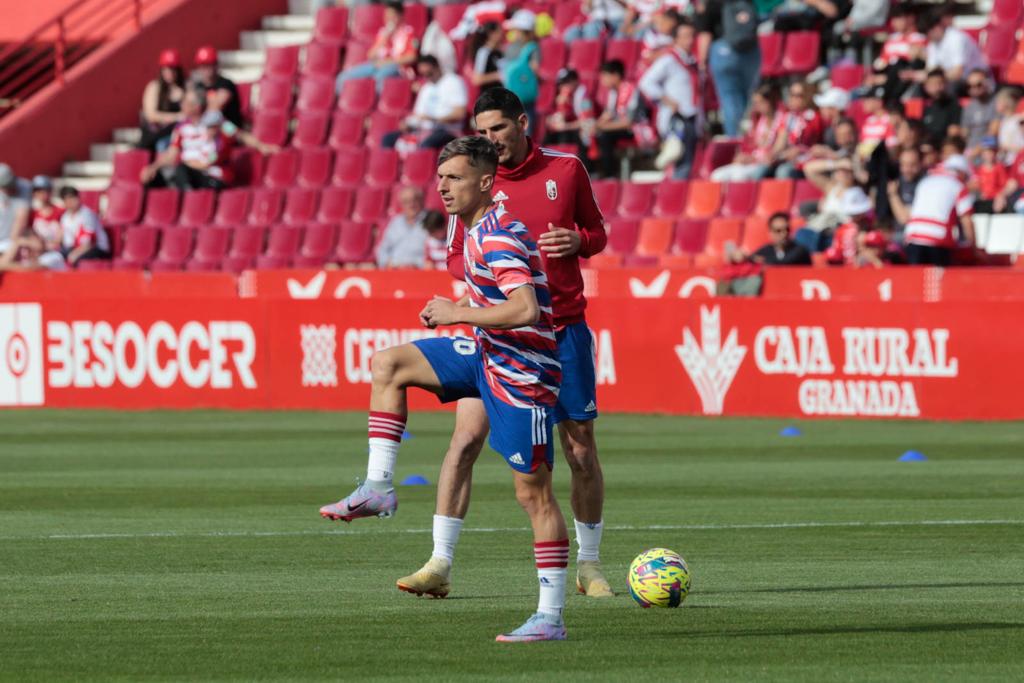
x: 492, y: 530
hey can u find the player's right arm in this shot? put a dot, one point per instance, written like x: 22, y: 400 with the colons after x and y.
x: 455, y: 259
x: 520, y: 309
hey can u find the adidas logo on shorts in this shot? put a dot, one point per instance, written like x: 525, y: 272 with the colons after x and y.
x: 517, y: 459
x: 591, y: 407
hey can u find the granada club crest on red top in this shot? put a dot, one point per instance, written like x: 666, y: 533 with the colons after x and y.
x: 552, y: 188
x: 711, y: 363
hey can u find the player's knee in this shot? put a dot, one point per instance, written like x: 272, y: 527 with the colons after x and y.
x: 384, y: 367
x: 581, y: 457
x: 465, y: 448
x: 535, y: 498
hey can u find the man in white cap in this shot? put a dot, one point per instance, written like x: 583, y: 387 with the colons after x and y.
x: 14, y: 211
x: 859, y: 208
x: 942, y: 201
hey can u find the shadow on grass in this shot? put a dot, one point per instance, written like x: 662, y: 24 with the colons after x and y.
x: 872, y: 587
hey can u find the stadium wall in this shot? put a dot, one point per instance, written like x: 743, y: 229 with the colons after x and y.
x: 104, y: 91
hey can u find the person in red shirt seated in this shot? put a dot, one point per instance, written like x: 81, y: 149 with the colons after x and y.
x: 44, y: 219
x: 570, y: 122
x: 990, y: 177
x: 393, y: 52
x: 758, y: 146
x: 802, y: 128
x: 875, y: 250
x: 860, y: 210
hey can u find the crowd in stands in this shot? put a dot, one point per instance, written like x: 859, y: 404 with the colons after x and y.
x: 895, y: 125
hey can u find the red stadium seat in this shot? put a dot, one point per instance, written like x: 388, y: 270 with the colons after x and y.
x: 448, y: 16
x: 720, y: 232
x: 755, y: 233
x: 395, y: 96
x: 175, y: 248
x: 92, y: 265
x: 371, y: 204
x: 553, y: 55
x: 622, y: 235
x: 1015, y: 69
x: 670, y: 198
x: 625, y: 50
x: 803, y: 191
x: 281, y: 62
x: 139, y: 247
x: 704, y: 199
x: 382, y: 167
x: 546, y: 98
x: 233, y: 206
x: 419, y: 168
x: 282, y: 167
x: 691, y: 235
x: 245, y: 100
x: 300, y: 205
x: 162, y: 207
x: 740, y: 199
x: 322, y: 60
x: 416, y: 17
x: 773, y: 196
x: 800, y: 55
x: 266, y: 208
x: 310, y: 129
x: 366, y: 21
x: 270, y: 127
x: 999, y: 44
x: 913, y: 107
x: 346, y: 129
x: 197, y: 208
x: 355, y: 243
x: 246, y: 246
x: 847, y: 76
x: 358, y: 96
x: 128, y: 166
x: 316, y: 93
x: 91, y: 198
x: 719, y: 152
x: 655, y: 236
x: 331, y: 26
x: 1008, y: 13
x: 318, y: 241
x: 381, y: 125
x: 124, y: 204
x: 282, y: 246
x: 566, y: 15
x: 210, y: 249
x: 635, y: 200
x: 355, y: 53
x: 585, y: 55
x: 247, y: 163
x: 335, y: 204
x: 606, y: 192
x: 349, y: 166
x: 275, y: 95
x: 771, y: 53
x: 315, y: 167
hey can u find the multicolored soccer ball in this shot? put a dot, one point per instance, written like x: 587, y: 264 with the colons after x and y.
x: 659, y: 578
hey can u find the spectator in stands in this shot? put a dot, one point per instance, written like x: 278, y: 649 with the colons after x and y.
x: 570, y: 122
x: 619, y: 112
x: 953, y: 145
x: 437, y: 44
x: 476, y: 15
x: 805, y: 15
x: 978, y: 118
x: 221, y: 93
x: 728, y: 47
x: 846, y: 241
x: 878, y: 126
x: 904, y: 46
x: 876, y: 251
x: 900, y: 192
x: 831, y: 104
x: 840, y: 142
x: 941, y: 202
x: 658, y: 36
x: 83, y: 236
x: 673, y: 82
x: 436, y: 249
x: 601, y: 17
x: 521, y: 60
x: 639, y: 16
x: 404, y: 242
x: 863, y: 15
x: 44, y: 219
x: 833, y: 178
x: 439, y: 112
x: 161, y: 103
x: 1009, y: 124
x: 1012, y: 196
x: 782, y: 250
x: 394, y: 48
x: 942, y: 112
x: 803, y: 128
x: 950, y: 49
x: 990, y: 177
x: 757, y: 147
x: 28, y: 254
x: 14, y: 211
x: 485, y: 56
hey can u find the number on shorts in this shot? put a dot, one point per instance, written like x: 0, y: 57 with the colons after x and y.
x: 465, y: 347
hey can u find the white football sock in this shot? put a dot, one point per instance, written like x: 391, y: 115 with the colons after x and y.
x: 552, y: 592
x: 446, y: 535
x: 381, y: 465
x: 588, y: 537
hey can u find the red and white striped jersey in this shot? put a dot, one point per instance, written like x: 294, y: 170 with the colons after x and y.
x: 82, y: 226
x: 941, y: 198
x: 903, y: 46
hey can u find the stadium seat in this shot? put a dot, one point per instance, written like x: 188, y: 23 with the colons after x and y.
x: 703, y: 199
x: 740, y: 199
x: 197, y: 208
x: 346, y: 129
x: 690, y: 236
x: 1015, y: 69
x: 93, y: 265
x: 318, y: 240
x: 275, y: 94
x: 246, y: 246
x: 322, y: 60
x: 335, y: 204
x: 622, y: 235
x: 655, y: 236
x: 803, y: 191
x: 355, y: 242
x: 211, y: 247
x: 755, y: 233
x: 315, y: 166
x: 300, y: 205
x: 247, y: 163
x: 800, y: 55
x: 316, y: 93
x: 358, y: 96
x: 366, y: 21
x: 720, y: 232
x: 1007, y: 13
x: 370, y: 205
x: 310, y: 129
x: 673, y: 260
x: 847, y: 76
x: 232, y: 206
x: 585, y: 55
x: 381, y: 167
x: 270, y: 127
x: 381, y: 125
x: 128, y: 166
x: 281, y: 62
x: 635, y: 200
x: 448, y: 16
x: 771, y: 53
x: 625, y: 50
x: 772, y: 196
x: 355, y: 53
x: 175, y: 248
x: 139, y: 247
x: 604, y: 260
x: 999, y: 44
x: 670, y: 198
x: 553, y: 55
x: 395, y: 96
x: 419, y: 168
x: 282, y: 246
x: 349, y: 166
x: 719, y: 152
x: 416, y: 16
x: 91, y: 198
x: 124, y: 204
x: 162, y: 207
x: 282, y: 168
x: 606, y: 192
x: 331, y: 26
x: 267, y: 205
x: 245, y: 100
x: 565, y: 15
x: 546, y: 98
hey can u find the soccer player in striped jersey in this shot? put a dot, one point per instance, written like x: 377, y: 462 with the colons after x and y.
x: 511, y: 364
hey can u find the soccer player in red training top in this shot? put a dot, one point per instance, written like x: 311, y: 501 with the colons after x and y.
x: 511, y: 367
x: 550, y: 193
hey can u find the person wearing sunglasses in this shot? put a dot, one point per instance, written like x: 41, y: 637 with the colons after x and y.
x: 978, y: 115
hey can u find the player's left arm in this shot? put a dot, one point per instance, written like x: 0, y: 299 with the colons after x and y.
x: 589, y: 236
x: 519, y: 310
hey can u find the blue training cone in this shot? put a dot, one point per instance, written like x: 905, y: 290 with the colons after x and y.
x: 415, y: 480
x: 406, y: 435
x: 790, y: 431
x: 913, y: 456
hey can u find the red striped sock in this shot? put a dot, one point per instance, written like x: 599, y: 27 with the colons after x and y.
x: 389, y: 426
x: 551, y: 554
x: 386, y: 431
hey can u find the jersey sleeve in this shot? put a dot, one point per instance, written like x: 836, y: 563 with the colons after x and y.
x: 588, y: 217
x: 508, y: 260
x: 964, y: 202
x: 456, y: 259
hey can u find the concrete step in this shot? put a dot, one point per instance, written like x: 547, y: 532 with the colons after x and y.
x: 260, y: 40
x: 971, y: 21
x: 301, y: 7
x: 240, y: 58
x: 243, y: 74
x: 89, y: 168
x: 83, y: 184
x: 127, y: 136
x: 288, y: 22
x: 105, y: 151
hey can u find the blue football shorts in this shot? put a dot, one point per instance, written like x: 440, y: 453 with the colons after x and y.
x: 577, y: 399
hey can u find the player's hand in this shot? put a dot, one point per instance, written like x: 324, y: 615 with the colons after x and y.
x: 440, y: 311
x: 424, y: 320
x: 558, y: 242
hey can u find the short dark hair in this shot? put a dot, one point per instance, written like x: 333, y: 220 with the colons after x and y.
x: 395, y: 6
x: 936, y: 73
x: 434, y: 220
x: 68, y: 191
x: 499, y: 99
x: 955, y: 141
x: 614, y: 66
x: 777, y: 215
x: 428, y: 59
x: 480, y: 152
x: 846, y: 121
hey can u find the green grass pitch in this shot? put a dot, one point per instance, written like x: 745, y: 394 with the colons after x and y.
x: 175, y: 546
